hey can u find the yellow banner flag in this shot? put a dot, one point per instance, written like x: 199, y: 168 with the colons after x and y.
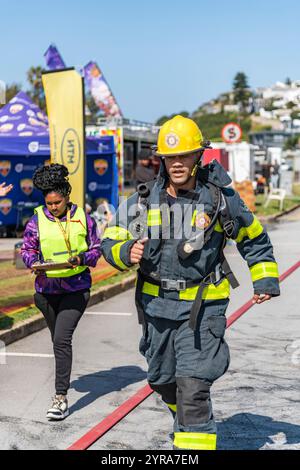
x: 64, y: 91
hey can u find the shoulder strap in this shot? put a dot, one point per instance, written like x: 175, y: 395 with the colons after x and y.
x: 215, y: 193
x: 227, y: 224
x: 184, y: 248
x: 225, y: 217
x: 222, y: 212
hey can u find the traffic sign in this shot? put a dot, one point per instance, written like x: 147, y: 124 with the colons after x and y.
x: 231, y: 133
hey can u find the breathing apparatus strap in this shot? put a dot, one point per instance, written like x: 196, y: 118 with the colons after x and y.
x: 206, y: 145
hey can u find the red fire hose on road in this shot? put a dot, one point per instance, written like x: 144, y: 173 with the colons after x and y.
x: 123, y: 410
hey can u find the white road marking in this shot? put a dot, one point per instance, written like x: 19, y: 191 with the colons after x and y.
x: 122, y: 314
x: 24, y: 354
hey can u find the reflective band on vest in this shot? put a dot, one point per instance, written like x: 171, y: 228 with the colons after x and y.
x: 252, y: 231
x: 52, y: 243
x: 263, y: 270
x: 211, y: 292
x: 172, y: 407
x: 115, y: 252
x: 117, y: 233
x: 195, y: 440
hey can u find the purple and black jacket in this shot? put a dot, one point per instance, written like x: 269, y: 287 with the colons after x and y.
x: 31, y: 253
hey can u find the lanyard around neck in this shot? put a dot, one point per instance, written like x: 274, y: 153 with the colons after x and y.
x: 66, y: 232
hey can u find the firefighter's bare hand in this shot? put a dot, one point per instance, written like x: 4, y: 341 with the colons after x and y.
x: 137, y: 251
x: 260, y: 298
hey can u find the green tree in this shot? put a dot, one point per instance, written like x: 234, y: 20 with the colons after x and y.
x: 295, y: 114
x: 162, y: 120
x: 11, y: 91
x: 165, y: 118
x: 211, y: 125
x: 36, y: 90
x: 290, y: 105
x: 95, y: 111
x: 241, y: 90
x: 269, y: 105
x: 291, y: 143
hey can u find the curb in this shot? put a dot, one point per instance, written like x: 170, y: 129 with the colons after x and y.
x: 274, y: 217
x: 32, y: 325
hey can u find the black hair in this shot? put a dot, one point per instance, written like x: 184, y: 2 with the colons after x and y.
x: 52, y: 178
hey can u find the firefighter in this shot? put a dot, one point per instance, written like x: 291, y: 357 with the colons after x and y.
x: 184, y: 279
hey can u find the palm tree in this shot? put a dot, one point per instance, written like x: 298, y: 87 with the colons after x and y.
x: 36, y: 92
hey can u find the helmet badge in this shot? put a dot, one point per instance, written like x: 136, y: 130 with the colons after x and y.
x: 172, y: 140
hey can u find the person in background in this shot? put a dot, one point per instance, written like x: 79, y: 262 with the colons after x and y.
x: 155, y: 163
x: 60, y: 231
x: 4, y: 190
x: 261, y: 184
x: 275, y: 173
x: 144, y: 171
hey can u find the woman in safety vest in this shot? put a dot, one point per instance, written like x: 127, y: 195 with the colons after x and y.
x: 61, y: 232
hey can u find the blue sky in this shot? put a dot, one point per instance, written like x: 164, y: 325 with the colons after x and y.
x: 161, y: 56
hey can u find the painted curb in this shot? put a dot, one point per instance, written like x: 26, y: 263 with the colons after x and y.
x: 274, y: 217
x: 32, y: 325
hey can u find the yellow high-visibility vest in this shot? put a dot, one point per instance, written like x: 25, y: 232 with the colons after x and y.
x: 52, y: 243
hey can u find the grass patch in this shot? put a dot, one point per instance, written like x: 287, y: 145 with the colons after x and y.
x: 17, y: 285
x: 9, y: 320
x: 112, y: 280
x: 17, y: 298
x: 296, y: 189
x: 273, y: 207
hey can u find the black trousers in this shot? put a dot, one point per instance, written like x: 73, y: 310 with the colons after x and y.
x: 62, y: 313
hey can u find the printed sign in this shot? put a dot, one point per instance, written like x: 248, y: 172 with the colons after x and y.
x: 5, y: 167
x: 5, y: 206
x: 231, y: 133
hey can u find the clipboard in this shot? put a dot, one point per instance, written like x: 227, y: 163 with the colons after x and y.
x: 51, y: 266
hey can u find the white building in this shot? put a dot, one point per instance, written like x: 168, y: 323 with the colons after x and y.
x: 281, y: 93
x: 241, y: 160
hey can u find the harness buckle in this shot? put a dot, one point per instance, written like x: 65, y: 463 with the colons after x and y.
x: 210, y: 278
x: 171, y: 284
x: 228, y: 227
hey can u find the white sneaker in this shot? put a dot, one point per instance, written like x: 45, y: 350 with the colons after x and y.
x: 59, y: 409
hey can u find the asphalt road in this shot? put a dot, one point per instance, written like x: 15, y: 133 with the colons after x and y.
x: 256, y: 404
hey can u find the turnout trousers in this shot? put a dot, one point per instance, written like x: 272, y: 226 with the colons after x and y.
x: 182, y: 366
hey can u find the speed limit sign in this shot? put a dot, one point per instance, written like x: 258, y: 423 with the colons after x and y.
x: 231, y: 133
